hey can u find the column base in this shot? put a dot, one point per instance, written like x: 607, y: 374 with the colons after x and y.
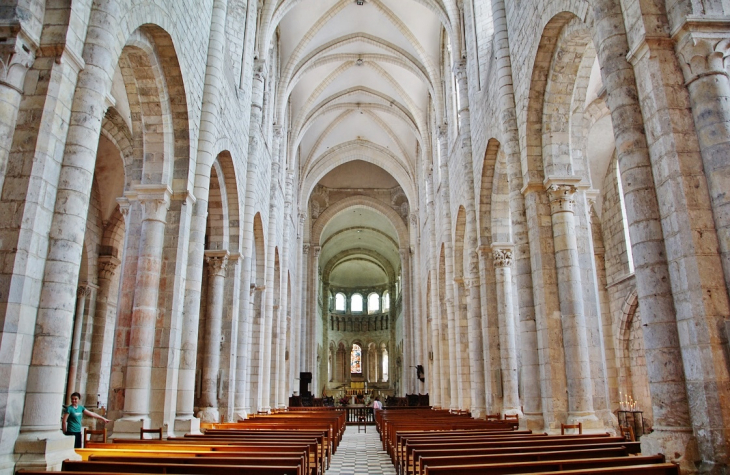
x: 678, y: 444
x: 186, y: 425
x: 533, y: 421
x: 478, y: 412
x: 240, y: 415
x: 588, y: 419
x: 128, y: 428
x: 209, y: 415
x: 44, y: 450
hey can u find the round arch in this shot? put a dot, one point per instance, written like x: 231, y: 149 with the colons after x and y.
x: 364, y: 202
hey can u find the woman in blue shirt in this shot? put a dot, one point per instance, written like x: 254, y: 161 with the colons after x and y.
x: 72, y: 418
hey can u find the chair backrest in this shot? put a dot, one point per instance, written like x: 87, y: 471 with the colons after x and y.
x: 628, y: 433
x: 494, y: 417
x: 91, y: 432
x: 512, y: 417
x: 578, y: 426
x: 144, y: 431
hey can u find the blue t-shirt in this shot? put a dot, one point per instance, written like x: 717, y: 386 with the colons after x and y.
x: 75, y: 414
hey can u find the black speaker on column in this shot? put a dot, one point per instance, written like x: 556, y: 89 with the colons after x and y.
x: 305, y: 379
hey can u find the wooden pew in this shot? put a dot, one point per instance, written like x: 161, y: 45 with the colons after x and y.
x: 471, y: 457
x: 647, y: 469
x: 251, y: 459
x: 166, y: 467
x: 314, y: 463
x: 413, y: 454
x: 517, y: 467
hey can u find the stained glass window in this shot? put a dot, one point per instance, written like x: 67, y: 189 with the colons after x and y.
x: 356, y: 359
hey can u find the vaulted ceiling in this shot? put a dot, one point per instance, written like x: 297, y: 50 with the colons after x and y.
x: 359, y: 78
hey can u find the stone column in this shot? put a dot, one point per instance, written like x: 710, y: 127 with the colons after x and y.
x: 502, y: 254
x: 155, y: 200
x: 242, y: 404
x: 433, y: 306
x: 81, y: 294
x: 672, y: 429
x: 484, y: 253
x: 313, y: 303
x: 102, y: 338
x: 408, y: 384
x: 17, y: 55
x: 303, y: 309
x: 476, y: 355
x: 461, y: 343
x: 575, y: 341
x: 217, y: 261
x: 702, y: 48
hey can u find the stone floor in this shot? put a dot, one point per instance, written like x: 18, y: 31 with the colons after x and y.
x: 360, y: 454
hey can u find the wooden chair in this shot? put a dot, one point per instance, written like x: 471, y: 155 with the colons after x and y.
x: 512, y: 417
x: 144, y: 431
x: 494, y: 417
x: 578, y: 426
x: 362, y: 423
x: 628, y: 433
x: 92, y: 432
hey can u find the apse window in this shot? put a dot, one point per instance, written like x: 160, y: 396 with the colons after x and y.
x: 384, y: 369
x: 340, y: 302
x: 373, y: 303
x: 356, y: 359
x: 386, y: 301
x: 356, y: 303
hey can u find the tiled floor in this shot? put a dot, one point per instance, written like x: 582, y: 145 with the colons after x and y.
x: 360, y: 454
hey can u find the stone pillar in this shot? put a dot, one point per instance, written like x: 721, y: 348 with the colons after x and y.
x: 17, y: 55
x: 672, y: 432
x: 217, y: 264
x: 304, y: 309
x: 433, y: 306
x: 81, y: 294
x: 461, y: 343
x: 575, y: 341
x: 476, y: 354
x: 484, y: 253
x: 155, y: 200
x: 702, y: 48
x: 102, y: 338
x: 313, y: 304
x: 502, y: 254
x: 454, y: 396
x: 408, y: 383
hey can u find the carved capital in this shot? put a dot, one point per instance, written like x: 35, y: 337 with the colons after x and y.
x: 502, y: 256
x: 108, y: 266
x: 702, y: 50
x: 124, y: 207
x: 443, y: 132
x: 305, y: 249
x: 217, y: 262
x: 83, y: 291
x: 17, y: 54
x: 460, y: 70
x: 316, y: 250
x: 155, y: 201
x: 561, y: 198
x: 260, y: 70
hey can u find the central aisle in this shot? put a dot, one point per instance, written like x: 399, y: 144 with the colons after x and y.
x: 360, y: 454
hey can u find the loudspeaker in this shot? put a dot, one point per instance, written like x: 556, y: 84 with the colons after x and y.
x: 304, y: 380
